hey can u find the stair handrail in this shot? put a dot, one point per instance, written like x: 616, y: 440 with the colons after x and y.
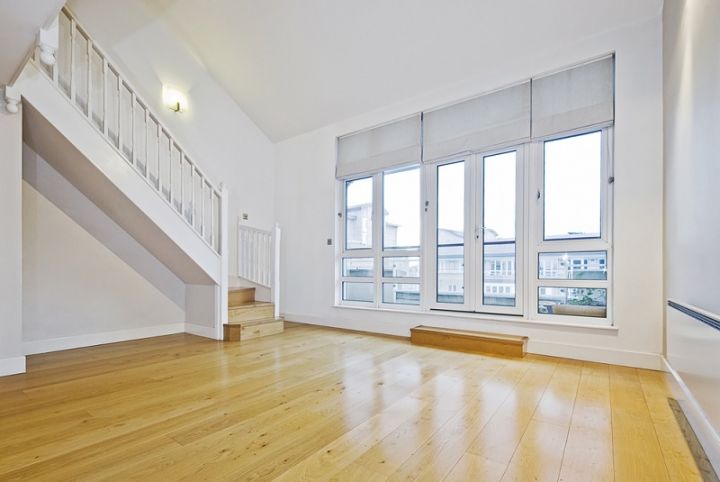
x: 189, y: 174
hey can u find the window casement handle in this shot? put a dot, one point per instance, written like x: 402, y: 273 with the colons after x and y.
x: 539, y: 195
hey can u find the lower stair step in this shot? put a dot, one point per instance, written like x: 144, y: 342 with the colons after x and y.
x: 472, y: 341
x: 256, y: 310
x: 253, y: 329
x: 240, y: 296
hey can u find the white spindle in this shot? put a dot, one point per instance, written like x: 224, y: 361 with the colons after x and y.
x: 72, y: 60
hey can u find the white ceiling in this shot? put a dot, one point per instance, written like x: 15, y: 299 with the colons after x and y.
x: 21, y: 21
x: 296, y: 65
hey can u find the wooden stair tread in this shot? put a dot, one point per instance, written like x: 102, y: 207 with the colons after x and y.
x: 474, y: 334
x: 259, y: 321
x: 250, y: 304
x: 469, y: 341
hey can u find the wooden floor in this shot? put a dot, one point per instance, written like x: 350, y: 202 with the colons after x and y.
x: 319, y: 404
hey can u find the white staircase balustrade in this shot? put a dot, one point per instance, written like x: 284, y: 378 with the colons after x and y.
x: 95, y: 87
x: 259, y: 259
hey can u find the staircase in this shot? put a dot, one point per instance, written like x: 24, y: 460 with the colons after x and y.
x: 248, y: 318
x: 86, y: 120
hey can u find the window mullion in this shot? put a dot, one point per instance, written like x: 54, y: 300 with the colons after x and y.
x: 378, y: 224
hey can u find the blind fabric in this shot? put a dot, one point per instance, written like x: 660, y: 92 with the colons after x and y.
x: 383, y: 147
x: 496, y: 118
x: 574, y: 98
x: 571, y: 99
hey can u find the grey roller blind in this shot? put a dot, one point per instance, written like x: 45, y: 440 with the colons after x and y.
x: 574, y: 98
x: 382, y: 147
x: 496, y: 118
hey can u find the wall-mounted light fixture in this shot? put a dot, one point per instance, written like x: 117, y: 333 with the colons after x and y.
x: 174, y: 99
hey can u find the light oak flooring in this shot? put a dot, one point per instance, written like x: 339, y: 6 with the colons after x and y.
x: 320, y: 404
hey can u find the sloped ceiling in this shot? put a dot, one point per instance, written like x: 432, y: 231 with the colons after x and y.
x: 296, y: 65
x: 21, y: 21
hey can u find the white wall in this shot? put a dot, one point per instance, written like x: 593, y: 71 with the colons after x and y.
x: 306, y: 188
x: 11, y: 352
x: 214, y: 131
x: 85, y: 280
x: 692, y: 222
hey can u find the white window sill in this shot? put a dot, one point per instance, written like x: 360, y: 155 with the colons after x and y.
x: 481, y: 316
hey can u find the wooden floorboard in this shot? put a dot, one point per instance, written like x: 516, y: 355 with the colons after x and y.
x: 321, y: 404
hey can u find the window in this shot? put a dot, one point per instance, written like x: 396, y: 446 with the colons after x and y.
x: 405, y: 267
x: 450, y: 259
x: 573, y: 301
x: 358, y: 213
x: 358, y: 267
x: 386, y: 271
x: 401, y: 293
x: 401, y: 209
x: 363, y: 292
x: 499, y: 207
x: 572, y: 169
x: 573, y: 251
x: 573, y: 265
x: 500, y: 204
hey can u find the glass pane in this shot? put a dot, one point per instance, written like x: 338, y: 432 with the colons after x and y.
x: 360, y: 267
x: 63, y: 54
x: 126, y: 114
x: 140, y: 133
x: 187, y: 189
x: 572, y: 187
x: 176, y: 177
x: 358, y: 292
x: 165, y: 165
x: 573, y: 265
x: 113, y: 105
x: 573, y: 301
x: 401, y: 267
x: 401, y: 208
x: 358, y: 213
x: 153, y: 151
x: 499, y: 195
x: 450, y: 233
x: 97, y: 97
x: 401, y: 293
x: 197, y: 200
x: 80, y: 71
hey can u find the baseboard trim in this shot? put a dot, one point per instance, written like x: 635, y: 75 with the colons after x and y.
x: 81, y: 341
x: 12, y: 366
x: 634, y: 359
x: 652, y: 361
x: 706, y: 434
x: 200, y: 330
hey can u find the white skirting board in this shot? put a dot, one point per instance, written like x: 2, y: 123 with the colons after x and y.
x: 80, y: 341
x: 652, y: 361
x: 12, y: 366
x: 200, y: 330
x: 709, y: 439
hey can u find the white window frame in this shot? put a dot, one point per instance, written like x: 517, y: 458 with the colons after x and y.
x: 400, y: 252
x: 530, y: 240
x: 604, y: 243
x: 345, y: 253
x: 474, y: 245
x: 377, y: 252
